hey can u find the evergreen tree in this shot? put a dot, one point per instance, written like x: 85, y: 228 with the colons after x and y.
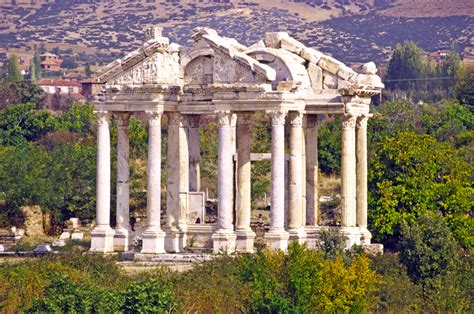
x: 37, y: 63
x: 13, y: 69
x: 32, y: 71
x: 89, y: 71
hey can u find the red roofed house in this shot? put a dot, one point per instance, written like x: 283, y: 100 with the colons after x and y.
x: 50, y: 62
x: 53, y: 86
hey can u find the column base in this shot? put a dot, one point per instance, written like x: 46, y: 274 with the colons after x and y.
x: 123, y: 240
x: 153, y: 242
x: 298, y: 235
x: 224, y: 241
x: 365, y: 235
x: 353, y: 236
x: 277, y: 239
x: 245, y: 241
x: 102, y: 239
x: 174, y: 241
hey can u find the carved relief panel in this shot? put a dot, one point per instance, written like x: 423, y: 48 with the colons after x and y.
x: 199, y: 71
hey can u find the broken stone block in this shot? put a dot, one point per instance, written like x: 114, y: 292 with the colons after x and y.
x: 369, y: 68
x: 291, y: 44
x: 273, y: 39
x: 77, y: 236
x: 315, y: 76
x: 65, y: 236
x: 74, y: 223
x: 286, y: 86
x: 43, y: 248
x: 59, y: 243
x: 330, y: 64
x: 3, y: 248
x: 33, y: 220
x: 370, y: 80
x: 329, y: 80
x: 311, y: 55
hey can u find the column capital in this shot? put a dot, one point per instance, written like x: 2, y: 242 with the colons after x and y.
x: 122, y: 118
x: 362, y: 121
x: 154, y: 117
x: 278, y: 116
x: 224, y: 117
x: 102, y: 116
x: 176, y: 118
x: 244, y: 119
x: 349, y: 121
x: 194, y: 120
x: 296, y: 118
x: 311, y: 120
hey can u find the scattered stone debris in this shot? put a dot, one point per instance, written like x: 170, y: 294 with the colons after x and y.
x: 77, y: 236
x: 65, y: 236
x: 59, y: 243
x: 43, y: 248
x: 33, y: 220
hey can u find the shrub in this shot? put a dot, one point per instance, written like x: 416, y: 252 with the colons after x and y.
x: 151, y: 296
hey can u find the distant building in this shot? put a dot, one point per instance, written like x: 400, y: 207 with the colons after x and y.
x: 438, y: 55
x: 91, y: 87
x: 50, y: 62
x: 53, y: 86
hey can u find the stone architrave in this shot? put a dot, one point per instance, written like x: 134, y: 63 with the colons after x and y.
x: 277, y: 237
x: 348, y: 171
x: 153, y: 236
x: 123, y: 234
x: 361, y: 157
x: 194, y: 154
x: 312, y: 170
x: 245, y: 235
x: 295, y: 189
x: 224, y: 238
x: 102, y: 236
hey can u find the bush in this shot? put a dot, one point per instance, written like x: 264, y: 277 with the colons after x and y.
x: 152, y: 296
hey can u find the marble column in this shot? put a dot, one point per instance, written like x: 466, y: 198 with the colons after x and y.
x: 295, y: 190
x: 102, y: 236
x: 348, y: 178
x: 245, y: 235
x: 194, y: 154
x: 123, y: 233
x: 312, y: 170
x: 173, y: 234
x: 224, y: 238
x: 183, y: 158
x: 361, y: 157
x: 153, y: 236
x: 277, y: 237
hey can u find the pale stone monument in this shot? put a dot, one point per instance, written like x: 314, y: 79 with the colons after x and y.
x: 218, y: 76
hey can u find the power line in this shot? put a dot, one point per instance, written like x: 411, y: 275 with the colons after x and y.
x: 421, y: 79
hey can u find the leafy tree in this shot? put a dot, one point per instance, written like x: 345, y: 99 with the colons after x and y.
x: 329, y: 146
x: 451, y: 65
x: 464, y: 88
x: 8, y: 95
x: 28, y: 91
x: 32, y: 73
x: 412, y: 175
x: 406, y: 63
x: 13, y: 69
x: 21, y: 123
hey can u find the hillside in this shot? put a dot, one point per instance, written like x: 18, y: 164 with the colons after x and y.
x: 351, y: 30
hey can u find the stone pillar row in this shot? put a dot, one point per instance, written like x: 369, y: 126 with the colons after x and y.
x: 183, y: 176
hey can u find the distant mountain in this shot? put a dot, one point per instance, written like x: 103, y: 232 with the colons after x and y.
x: 350, y: 30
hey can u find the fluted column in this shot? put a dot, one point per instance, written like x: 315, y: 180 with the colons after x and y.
x: 295, y: 191
x: 245, y: 235
x: 153, y: 236
x: 348, y: 172
x: 102, y: 237
x: 194, y: 154
x: 277, y: 237
x: 224, y: 238
x: 312, y: 170
x: 123, y: 236
x: 361, y: 136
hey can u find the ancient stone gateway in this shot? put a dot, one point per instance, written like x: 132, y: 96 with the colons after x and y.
x: 218, y: 76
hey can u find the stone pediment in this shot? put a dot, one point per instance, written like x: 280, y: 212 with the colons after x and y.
x: 276, y: 63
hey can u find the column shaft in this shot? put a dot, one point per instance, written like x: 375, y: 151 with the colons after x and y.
x: 103, y: 170
x: 225, y: 173
x: 154, y: 172
x: 295, y: 191
x: 348, y: 172
x: 312, y: 170
x: 361, y: 135
x: 123, y: 212
x: 194, y: 154
x: 183, y: 172
x: 277, y: 213
x: 243, y: 173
